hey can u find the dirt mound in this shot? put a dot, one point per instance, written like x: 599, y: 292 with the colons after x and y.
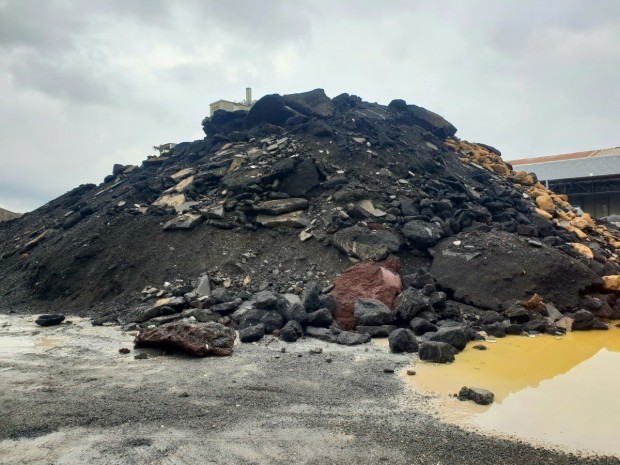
x: 294, y: 192
x: 6, y: 215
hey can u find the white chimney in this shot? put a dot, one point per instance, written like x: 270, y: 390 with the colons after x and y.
x: 248, y: 96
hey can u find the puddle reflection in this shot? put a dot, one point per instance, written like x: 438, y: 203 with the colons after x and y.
x: 559, y: 391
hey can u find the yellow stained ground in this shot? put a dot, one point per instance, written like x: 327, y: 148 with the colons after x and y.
x: 562, y: 391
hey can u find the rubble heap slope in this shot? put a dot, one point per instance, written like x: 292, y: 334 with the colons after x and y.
x: 286, y: 197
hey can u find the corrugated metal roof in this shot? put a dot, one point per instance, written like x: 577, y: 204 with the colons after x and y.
x: 567, y: 156
x: 582, y: 167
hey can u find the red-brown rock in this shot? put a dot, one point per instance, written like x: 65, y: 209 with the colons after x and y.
x: 365, y: 280
x: 192, y: 337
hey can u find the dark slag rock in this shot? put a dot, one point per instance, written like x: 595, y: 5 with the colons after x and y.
x: 50, y: 319
x: 320, y: 318
x: 456, y: 336
x: 291, y: 331
x: 372, y: 312
x: 411, y: 303
x: 376, y: 331
x: 252, y: 333
x: 438, y: 352
x: 349, y: 338
x: 402, y: 340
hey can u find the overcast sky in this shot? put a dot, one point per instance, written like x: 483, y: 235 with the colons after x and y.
x: 86, y: 84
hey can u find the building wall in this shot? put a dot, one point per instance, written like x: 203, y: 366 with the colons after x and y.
x: 597, y: 205
x: 227, y: 105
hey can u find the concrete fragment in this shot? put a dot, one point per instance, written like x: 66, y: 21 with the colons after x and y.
x: 369, y: 208
x: 172, y: 200
x: 182, y: 174
x: 280, y: 206
x: 186, y: 221
x: 204, y: 286
x: 288, y: 220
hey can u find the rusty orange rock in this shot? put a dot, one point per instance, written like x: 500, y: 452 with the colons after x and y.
x: 612, y: 283
x: 544, y: 214
x: 582, y: 249
x: 545, y: 202
x: 580, y: 222
x: 580, y: 234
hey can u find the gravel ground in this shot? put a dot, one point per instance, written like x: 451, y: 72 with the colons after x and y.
x: 67, y: 396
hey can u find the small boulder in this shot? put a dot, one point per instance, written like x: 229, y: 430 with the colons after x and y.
x: 365, y: 280
x: 431, y: 121
x: 226, y: 307
x: 323, y: 334
x: 376, y: 331
x: 329, y: 302
x: 499, y: 330
x: 478, y: 395
x: 265, y: 300
x: 269, y: 109
x: 223, y: 122
x: 302, y: 180
x: 296, y: 312
x: 313, y: 103
x: 348, y: 338
x: 438, y: 352
x: 195, y: 338
x: 422, y: 234
x: 372, y: 312
x: 50, y: 319
x: 248, y: 315
x: 411, y: 303
x: 320, y: 318
x: 311, y: 298
x: 402, y: 340
x: 291, y: 331
x: 421, y: 326
x: 204, y: 286
x: 585, y: 320
x: 366, y: 244
x: 456, y: 336
x: 252, y: 333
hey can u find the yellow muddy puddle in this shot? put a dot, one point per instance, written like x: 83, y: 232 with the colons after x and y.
x: 562, y: 392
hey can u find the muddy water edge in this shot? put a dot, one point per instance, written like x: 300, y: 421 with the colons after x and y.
x: 556, y: 391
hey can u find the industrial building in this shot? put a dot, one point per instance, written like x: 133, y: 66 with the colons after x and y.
x: 590, y: 179
x: 228, y: 105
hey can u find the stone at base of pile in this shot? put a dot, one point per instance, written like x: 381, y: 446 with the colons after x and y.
x: 194, y: 338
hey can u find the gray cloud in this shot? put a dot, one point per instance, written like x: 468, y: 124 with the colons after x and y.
x: 76, y: 81
x: 41, y: 25
x: 86, y: 84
